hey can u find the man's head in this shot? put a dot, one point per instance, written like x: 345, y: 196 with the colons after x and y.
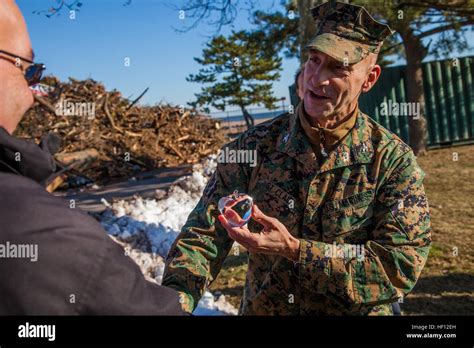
x: 15, y: 96
x: 342, y: 59
x: 332, y: 89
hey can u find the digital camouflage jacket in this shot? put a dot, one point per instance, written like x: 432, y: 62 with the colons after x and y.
x: 367, y: 195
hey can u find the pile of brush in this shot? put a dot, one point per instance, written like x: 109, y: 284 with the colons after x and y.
x: 117, y: 136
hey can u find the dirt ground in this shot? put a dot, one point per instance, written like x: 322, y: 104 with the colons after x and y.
x: 446, y: 286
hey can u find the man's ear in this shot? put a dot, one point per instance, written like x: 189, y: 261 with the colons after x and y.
x: 371, y: 78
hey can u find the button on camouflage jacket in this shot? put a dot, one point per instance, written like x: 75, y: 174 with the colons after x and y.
x: 367, y: 195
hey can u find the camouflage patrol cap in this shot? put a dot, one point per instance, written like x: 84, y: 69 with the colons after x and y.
x: 346, y: 32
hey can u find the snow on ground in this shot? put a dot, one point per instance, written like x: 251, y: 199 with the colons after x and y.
x: 146, y: 228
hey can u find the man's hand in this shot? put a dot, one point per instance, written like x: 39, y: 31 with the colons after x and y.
x: 274, y: 238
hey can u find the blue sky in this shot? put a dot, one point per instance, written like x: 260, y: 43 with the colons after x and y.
x: 104, y: 33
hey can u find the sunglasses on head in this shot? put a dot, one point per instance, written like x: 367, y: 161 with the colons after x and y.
x: 32, y: 73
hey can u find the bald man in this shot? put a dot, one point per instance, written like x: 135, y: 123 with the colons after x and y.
x: 53, y: 259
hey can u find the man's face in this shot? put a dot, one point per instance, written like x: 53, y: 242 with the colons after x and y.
x: 15, y: 96
x: 331, y: 89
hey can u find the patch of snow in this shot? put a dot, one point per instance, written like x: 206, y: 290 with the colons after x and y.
x: 209, y: 306
x: 147, y: 228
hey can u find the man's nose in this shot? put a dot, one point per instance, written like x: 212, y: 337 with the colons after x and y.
x: 319, y: 76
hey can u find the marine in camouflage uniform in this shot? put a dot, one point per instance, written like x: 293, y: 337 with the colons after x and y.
x: 367, y: 191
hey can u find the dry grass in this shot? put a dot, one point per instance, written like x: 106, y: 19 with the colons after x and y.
x: 447, y: 282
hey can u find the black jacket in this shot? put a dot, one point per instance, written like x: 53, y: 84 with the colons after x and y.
x: 79, y: 269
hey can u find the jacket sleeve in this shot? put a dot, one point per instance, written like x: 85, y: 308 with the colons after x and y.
x: 121, y: 288
x: 197, y: 254
x: 395, y: 254
x: 78, y: 268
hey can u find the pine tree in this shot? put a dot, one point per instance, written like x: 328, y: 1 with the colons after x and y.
x: 237, y: 70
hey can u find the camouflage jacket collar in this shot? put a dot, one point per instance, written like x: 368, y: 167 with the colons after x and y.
x: 355, y: 148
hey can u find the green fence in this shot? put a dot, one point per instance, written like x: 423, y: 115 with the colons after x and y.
x: 449, y: 101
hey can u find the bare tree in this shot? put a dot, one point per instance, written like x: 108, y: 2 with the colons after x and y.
x: 214, y: 13
x: 59, y: 5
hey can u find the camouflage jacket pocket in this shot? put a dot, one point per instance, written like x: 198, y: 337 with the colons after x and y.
x: 347, y: 215
x: 277, y: 203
